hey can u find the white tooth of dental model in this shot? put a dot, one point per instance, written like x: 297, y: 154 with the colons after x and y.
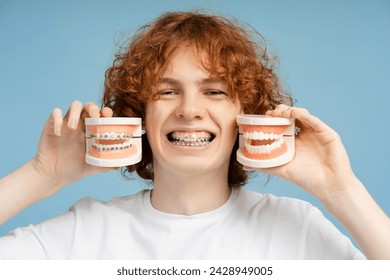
x: 265, y: 141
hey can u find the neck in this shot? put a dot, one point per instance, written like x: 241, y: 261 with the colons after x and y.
x: 188, y: 194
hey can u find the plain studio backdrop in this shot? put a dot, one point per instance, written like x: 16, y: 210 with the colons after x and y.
x: 334, y: 59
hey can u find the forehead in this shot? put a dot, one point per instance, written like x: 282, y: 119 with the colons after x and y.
x: 187, y: 65
x: 186, y: 62
x: 185, y: 55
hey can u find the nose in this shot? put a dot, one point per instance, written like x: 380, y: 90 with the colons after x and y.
x: 191, y: 107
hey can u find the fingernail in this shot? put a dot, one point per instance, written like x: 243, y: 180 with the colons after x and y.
x: 72, y: 124
x: 57, y: 130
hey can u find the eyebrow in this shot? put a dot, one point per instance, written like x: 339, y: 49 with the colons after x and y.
x: 169, y: 81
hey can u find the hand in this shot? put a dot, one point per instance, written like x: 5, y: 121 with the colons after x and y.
x: 61, y: 150
x: 321, y: 165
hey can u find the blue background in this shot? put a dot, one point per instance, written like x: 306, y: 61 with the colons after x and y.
x: 334, y: 59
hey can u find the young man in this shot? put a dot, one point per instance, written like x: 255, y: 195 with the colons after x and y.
x: 188, y: 75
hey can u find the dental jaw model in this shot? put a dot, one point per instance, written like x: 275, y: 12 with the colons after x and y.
x: 265, y: 141
x: 113, y: 142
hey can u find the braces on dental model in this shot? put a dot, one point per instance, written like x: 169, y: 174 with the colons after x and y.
x: 113, y: 142
x: 115, y: 147
x: 111, y: 136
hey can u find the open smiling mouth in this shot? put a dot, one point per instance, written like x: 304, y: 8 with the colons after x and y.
x: 265, y: 141
x: 191, y: 139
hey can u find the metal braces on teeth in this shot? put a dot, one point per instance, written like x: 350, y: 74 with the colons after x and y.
x: 190, y: 143
x: 190, y: 137
x: 111, y: 136
x: 115, y: 147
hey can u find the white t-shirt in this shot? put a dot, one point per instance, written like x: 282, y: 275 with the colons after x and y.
x: 248, y: 226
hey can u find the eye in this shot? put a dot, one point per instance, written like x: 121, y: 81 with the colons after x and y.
x: 168, y: 92
x: 215, y: 92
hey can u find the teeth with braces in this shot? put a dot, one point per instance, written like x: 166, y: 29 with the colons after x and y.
x: 111, y: 136
x: 190, y: 143
x: 114, y: 147
x: 194, y: 139
x: 264, y: 149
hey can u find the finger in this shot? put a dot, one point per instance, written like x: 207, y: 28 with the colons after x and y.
x: 277, y: 112
x: 281, y: 108
x: 299, y: 114
x: 285, y: 111
x: 73, y: 114
x: 57, y: 121
x: 92, y: 110
x: 308, y: 120
x: 106, y: 112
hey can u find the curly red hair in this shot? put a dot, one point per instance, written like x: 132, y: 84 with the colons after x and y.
x: 231, y: 54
